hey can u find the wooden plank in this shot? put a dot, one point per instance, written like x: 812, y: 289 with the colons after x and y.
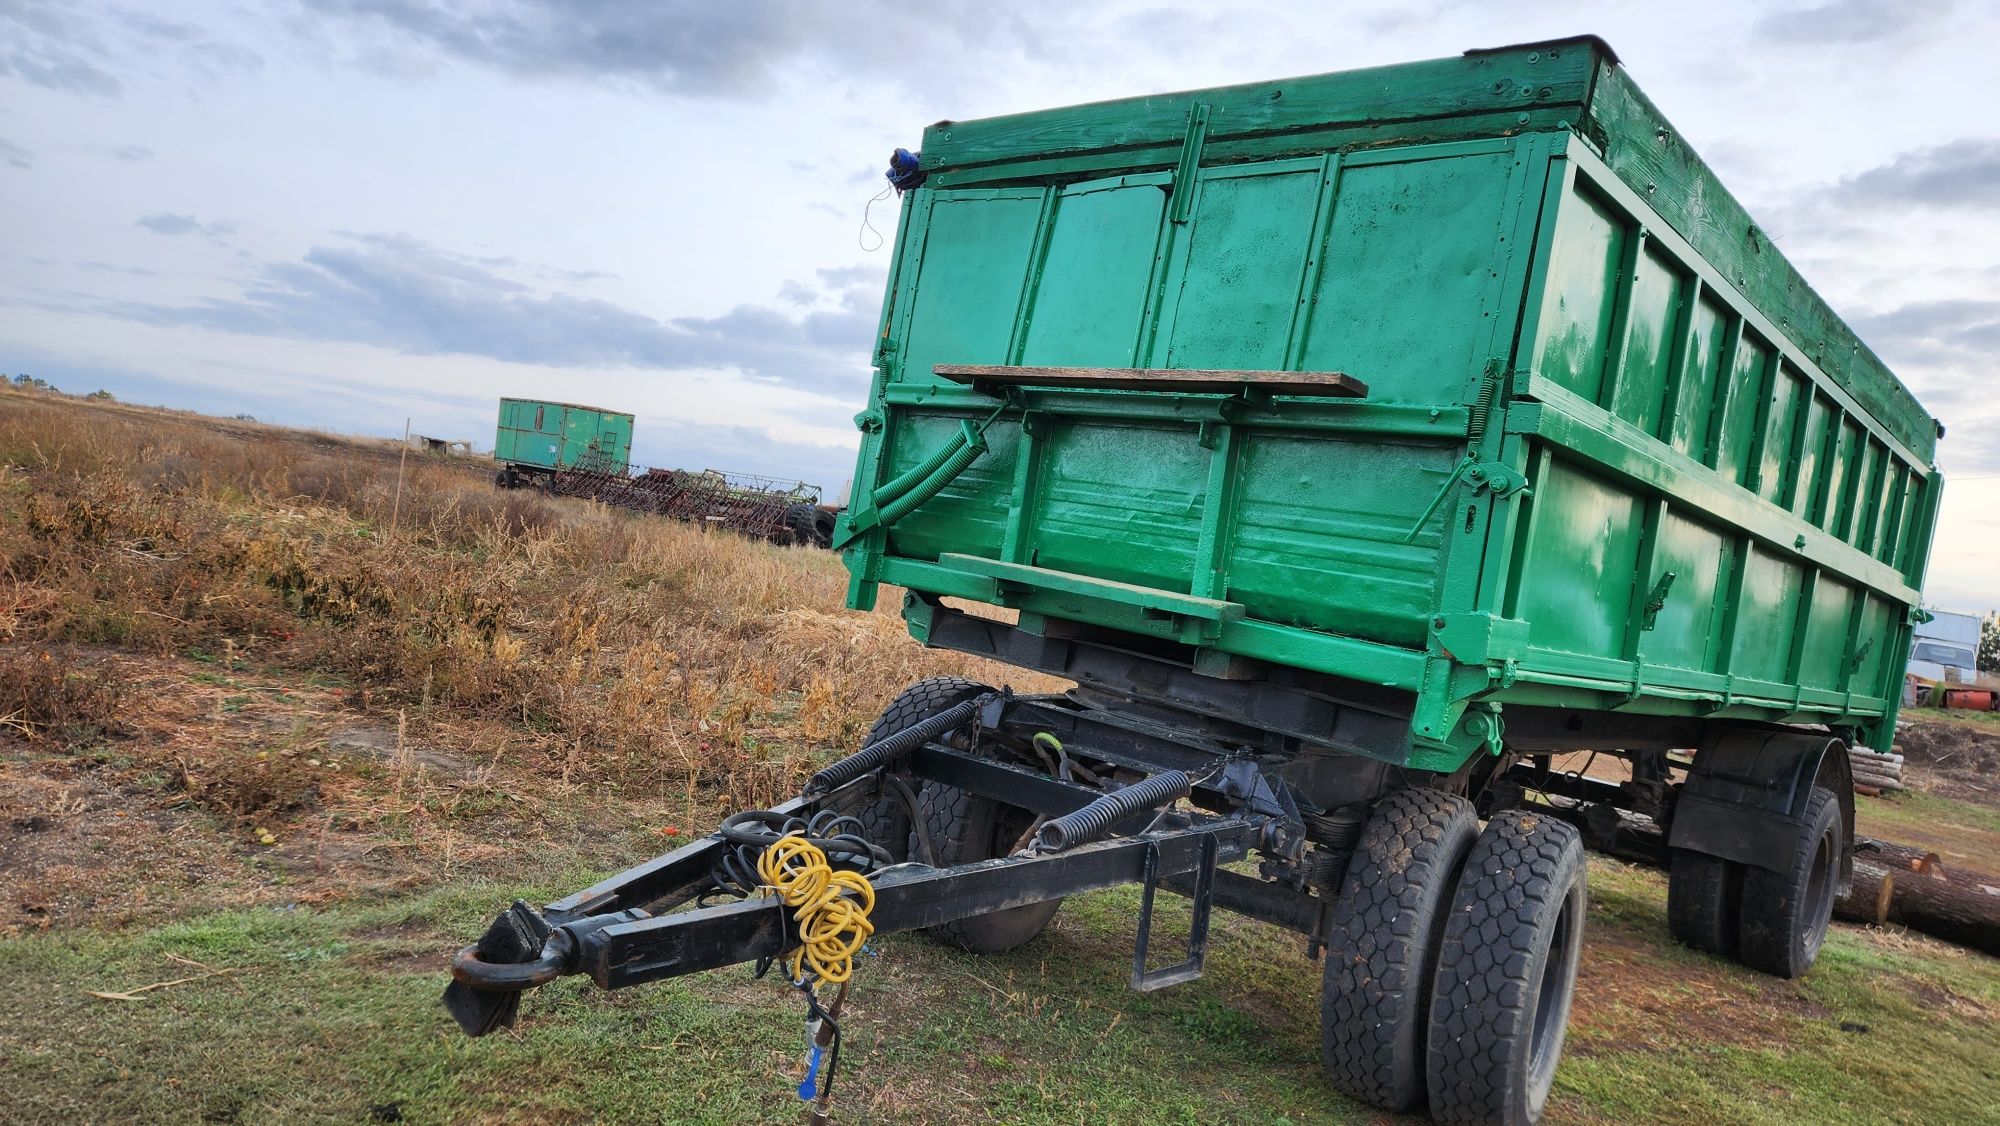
x: 1185, y: 381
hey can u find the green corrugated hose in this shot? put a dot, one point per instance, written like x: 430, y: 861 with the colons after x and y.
x: 915, y: 486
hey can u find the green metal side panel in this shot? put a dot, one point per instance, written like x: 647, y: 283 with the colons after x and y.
x: 1732, y: 542
x: 1600, y: 464
x: 552, y: 435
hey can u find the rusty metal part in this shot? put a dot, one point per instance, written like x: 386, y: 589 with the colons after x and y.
x: 747, y: 504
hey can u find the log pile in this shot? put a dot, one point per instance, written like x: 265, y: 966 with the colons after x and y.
x: 1910, y: 887
x: 1876, y: 773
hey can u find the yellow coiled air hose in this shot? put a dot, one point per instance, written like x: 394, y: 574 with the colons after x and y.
x: 831, y: 925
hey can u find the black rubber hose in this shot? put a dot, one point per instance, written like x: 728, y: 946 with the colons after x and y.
x: 1097, y: 818
x: 890, y: 748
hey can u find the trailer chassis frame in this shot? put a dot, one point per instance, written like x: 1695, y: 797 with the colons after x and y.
x: 635, y: 927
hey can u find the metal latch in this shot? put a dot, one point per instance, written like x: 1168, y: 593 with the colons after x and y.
x: 1484, y: 476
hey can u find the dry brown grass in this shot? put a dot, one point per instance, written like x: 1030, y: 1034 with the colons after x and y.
x: 599, y: 648
x: 46, y: 695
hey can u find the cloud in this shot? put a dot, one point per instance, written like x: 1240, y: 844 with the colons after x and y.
x: 691, y: 47
x: 15, y: 156
x: 1853, y: 21
x: 1945, y: 350
x: 1971, y: 326
x: 169, y: 223
x: 53, y: 46
x: 399, y: 292
x: 132, y: 154
x: 63, y: 46
x: 1962, y: 173
x: 115, y: 268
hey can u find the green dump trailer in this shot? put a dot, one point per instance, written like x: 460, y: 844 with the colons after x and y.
x: 1355, y: 444
x: 535, y: 438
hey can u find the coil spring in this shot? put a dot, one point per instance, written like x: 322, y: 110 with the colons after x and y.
x: 890, y: 748
x: 1097, y: 818
x: 1489, y: 388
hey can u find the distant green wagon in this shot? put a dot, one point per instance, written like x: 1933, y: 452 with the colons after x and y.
x: 535, y: 438
x: 1355, y: 444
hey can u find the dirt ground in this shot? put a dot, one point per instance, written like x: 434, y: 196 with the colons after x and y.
x: 1952, y: 759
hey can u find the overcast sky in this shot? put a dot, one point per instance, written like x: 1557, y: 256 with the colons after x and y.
x: 345, y: 212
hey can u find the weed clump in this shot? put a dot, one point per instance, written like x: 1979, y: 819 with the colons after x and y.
x: 47, y: 695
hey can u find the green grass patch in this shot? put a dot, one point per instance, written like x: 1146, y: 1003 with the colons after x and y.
x: 332, y: 1015
x: 1915, y: 810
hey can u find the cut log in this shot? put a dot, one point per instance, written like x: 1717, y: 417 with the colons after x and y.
x: 1863, y: 762
x: 1889, y: 854
x: 1909, y: 887
x: 1867, y: 791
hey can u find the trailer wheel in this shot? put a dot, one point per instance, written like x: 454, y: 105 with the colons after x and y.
x: 1507, y: 971
x: 1703, y: 894
x: 884, y: 820
x: 799, y: 525
x: 1387, y: 921
x: 965, y: 828
x: 1785, y: 914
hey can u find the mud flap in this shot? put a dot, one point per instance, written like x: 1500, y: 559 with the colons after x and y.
x: 516, y: 936
x: 1745, y: 797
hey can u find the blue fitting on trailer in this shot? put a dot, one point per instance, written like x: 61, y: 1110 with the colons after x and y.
x: 905, y: 171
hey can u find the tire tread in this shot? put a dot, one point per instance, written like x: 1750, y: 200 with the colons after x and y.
x: 1482, y: 1002
x: 1383, y: 942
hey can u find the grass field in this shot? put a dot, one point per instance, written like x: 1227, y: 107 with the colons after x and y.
x: 257, y: 744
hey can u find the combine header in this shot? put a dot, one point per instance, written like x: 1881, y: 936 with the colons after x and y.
x: 1354, y: 443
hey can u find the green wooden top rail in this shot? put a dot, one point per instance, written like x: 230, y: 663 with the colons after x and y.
x: 1570, y: 84
x: 1184, y: 381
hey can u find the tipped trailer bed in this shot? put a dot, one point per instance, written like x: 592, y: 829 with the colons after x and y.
x: 1354, y: 443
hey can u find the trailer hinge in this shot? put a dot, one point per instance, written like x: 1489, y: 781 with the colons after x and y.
x: 1498, y: 478
x: 1478, y: 637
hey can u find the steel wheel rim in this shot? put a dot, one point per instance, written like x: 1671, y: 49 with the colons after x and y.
x: 1819, y: 894
x: 1545, y: 1038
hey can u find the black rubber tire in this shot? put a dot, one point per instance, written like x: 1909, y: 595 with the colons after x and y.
x: 1703, y: 896
x: 1784, y: 916
x: 884, y: 819
x: 800, y: 520
x: 966, y: 828
x: 1506, y: 972
x: 823, y: 522
x: 1388, y: 919
x: 504, y: 479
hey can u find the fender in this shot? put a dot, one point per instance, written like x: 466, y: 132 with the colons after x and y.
x: 1745, y: 797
